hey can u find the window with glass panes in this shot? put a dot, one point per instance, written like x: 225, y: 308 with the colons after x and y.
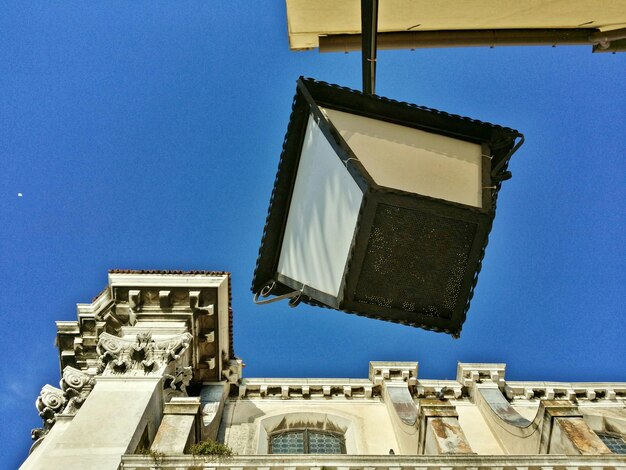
x: 613, y: 442
x: 307, y: 441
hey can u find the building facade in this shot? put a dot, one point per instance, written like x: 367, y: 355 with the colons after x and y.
x: 148, y: 369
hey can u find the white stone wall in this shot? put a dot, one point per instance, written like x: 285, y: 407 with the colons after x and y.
x: 369, y: 430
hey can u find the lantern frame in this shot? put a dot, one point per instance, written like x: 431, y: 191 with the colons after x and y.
x: 497, y: 145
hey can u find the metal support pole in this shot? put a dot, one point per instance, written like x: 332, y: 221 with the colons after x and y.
x: 369, y: 27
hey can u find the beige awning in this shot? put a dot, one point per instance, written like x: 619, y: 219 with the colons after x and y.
x: 309, y: 19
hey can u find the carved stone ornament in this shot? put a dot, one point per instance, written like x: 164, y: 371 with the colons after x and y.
x: 121, y: 355
x: 175, y: 384
x: 50, y: 402
x: 76, y: 386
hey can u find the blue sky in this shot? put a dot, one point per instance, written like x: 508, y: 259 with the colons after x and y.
x: 146, y: 135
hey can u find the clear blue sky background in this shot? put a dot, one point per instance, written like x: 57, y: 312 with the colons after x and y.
x: 147, y: 134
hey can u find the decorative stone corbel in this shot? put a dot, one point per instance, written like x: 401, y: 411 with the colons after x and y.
x: 49, y: 403
x: 194, y: 303
x: 52, y: 401
x: 76, y: 386
x: 209, y: 336
x: 165, y: 300
x: 134, y: 300
x: 233, y: 372
x: 469, y: 373
x: 175, y: 384
x: 386, y: 370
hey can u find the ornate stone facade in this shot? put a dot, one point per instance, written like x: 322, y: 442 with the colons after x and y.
x: 151, y: 361
x: 149, y: 336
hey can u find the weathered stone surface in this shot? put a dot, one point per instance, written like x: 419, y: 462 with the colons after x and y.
x: 573, y: 436
x: 445, y: 436
x: 177, y: 429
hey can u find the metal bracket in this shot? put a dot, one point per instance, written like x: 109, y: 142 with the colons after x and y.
x: 294, y: 297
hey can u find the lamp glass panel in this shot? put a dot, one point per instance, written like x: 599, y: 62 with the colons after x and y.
x: 414, y: 160
x: 322, y: 216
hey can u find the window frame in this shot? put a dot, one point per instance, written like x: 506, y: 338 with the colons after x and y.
x: 305, y: 432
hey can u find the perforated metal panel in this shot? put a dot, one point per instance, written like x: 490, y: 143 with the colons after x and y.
x: 415, y: 261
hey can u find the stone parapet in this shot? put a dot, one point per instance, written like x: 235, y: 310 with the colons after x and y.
x: 391, y: 462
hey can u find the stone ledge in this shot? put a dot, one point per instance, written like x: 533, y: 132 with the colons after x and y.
x: 307, y: 388
x: 378, y: 462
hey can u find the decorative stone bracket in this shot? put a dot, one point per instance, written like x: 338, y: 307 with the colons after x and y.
x: 565, y: 391
x: 175, y: 384
x: 233, y: 372
x: 381, y: 371
x: 52, y: 401
x: 469, y: 373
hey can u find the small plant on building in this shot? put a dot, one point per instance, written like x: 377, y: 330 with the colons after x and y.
x: 211, y: 448
x: 155, y: 454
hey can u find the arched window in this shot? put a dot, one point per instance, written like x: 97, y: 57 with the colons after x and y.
x: 306, y: 441
x: 613, y: 442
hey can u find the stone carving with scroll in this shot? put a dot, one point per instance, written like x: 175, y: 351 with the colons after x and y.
x: 121, y: 355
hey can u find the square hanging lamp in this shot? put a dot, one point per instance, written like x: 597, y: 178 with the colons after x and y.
x: 381, y: 208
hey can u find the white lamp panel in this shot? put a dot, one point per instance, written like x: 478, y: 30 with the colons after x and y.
x: 322, y: 217
x: 413, y: 160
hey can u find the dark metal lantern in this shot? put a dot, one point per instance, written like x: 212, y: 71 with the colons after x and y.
x: 381, y: 208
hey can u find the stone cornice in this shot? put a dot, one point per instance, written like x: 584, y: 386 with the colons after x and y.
x: 469, y: 374
x: 165, y: 278
x: 307, y: 388
x: 136, y: 302
x: 568, y: 390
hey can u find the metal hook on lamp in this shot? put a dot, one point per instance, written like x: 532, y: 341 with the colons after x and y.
x: 295, y: 297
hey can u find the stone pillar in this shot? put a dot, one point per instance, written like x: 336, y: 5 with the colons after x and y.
x: 177, y: 432
x: 395, y: 378
x: 440, y: 431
